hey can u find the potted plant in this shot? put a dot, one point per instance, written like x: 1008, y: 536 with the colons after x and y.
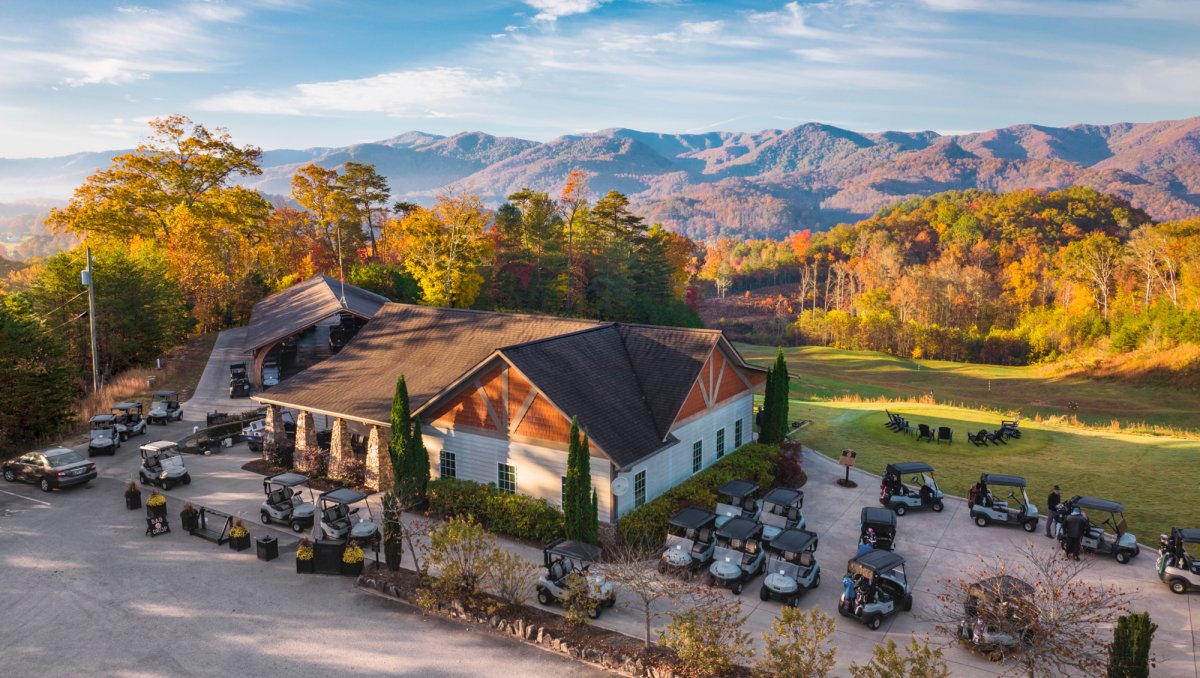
x: 189, y: 517
x: 239, y: 536
x: 304, y: 557
x: 133, y: 496
x: 352, y: 561
x: 156, y: 505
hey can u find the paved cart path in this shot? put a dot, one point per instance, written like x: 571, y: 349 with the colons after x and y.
x: 212, y: 391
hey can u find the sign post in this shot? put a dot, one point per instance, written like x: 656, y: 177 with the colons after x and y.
x: 847, y: 459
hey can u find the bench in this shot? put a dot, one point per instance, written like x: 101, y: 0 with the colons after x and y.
x: 213, y: 525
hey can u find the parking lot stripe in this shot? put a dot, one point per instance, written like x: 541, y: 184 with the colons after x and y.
x: 24, y: 497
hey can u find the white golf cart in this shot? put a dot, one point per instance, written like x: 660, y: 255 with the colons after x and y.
x: 103, y: 436
x: 286, y: 502
x: 1176, y: 565
x: 130, y: 421
x: 781, y: 511
x: 690, y: 542
x: 165, y: 407
x: 1011, y: 511
x: 162, y: 465
x: 791, y: 567
x: 1120, y: 544
x: 875, y: 588
x: 565, y: 558
x: 340, y: 518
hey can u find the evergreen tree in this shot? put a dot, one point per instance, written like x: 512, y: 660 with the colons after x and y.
x: 595, y: 514
x: 580, y: 518
x: 416, y: 465
x: 767, y: 430
x: 401, y: 433
x: 782, y: 386
x: 1129, y: 654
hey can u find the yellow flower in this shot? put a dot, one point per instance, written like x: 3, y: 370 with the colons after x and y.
x: 156, y: 499
x: 238, y: 530
x: 352, y: 555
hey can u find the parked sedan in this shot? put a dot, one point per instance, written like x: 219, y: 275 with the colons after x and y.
x: 48, y: 469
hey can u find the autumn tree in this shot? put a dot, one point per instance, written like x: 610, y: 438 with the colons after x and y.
x: 332, y: 211
x: 368, y: 192
x: 800, y: 643
x: 633, y: 568
x: 919, y: 660
x: 443, y: 248
x: 1094, y: 261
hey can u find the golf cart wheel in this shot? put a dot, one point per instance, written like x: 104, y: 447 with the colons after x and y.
x: 764, y: 594
x: 266, y: 517
x: 91, y: 453
x: 1178, y: 586
x: 45, y: 485
x: 1123, y: 556
x: 874, y: 622
x: 736, y: 588
x: 900, y: 509
x: 543, y: 597
x: 10, y: 476
x: 297, y: 526
x: 907, y: 603
x: 981, y: 521
x: 593, y: 611
x: 938, y: 506
x: 124, y: 437
x: 816, y: 581
x: 1030, y: 525
x: 187, y: 479
x: 166, y: 485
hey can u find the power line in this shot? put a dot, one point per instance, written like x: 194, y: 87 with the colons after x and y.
x: 68, y: 322
x: 50, y: 313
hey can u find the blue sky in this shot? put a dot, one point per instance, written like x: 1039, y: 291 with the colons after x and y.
x: 86, y: 75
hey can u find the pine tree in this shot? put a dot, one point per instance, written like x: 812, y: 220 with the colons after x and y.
x: 401, y: 433
x: 577, y: 503
x: 782, y: 387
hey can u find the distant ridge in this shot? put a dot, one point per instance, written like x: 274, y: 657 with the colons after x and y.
x: 748, y: 184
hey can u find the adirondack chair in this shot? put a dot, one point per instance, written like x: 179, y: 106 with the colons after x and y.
x: 925, y: 433
x: 944, y: 433
x: 997, y: 436
x: 1009, y: 428
x: 977, y: 439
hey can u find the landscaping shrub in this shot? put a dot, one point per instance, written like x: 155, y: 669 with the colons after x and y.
x: 647, y: 524
x: 512, y: 514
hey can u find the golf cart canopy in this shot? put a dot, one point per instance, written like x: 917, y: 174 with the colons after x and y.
x: 739, y: 528
x: 342, y: 495
x: 783, y: 496
x: 877, y: 516
x: 125, y: 407
x: 738, y: 489
x: 574, y: 550
x: 874, y: 562
x: 906, y: 467
x: 166, y: 395
x: 793, y: 540
x: 1098, y: 504
x: 692, y: 518
x: 160, y: 446
x: 1000, y: 588
x: 1002, y: 480
x: 1186, y: 535
x: 287, y: 480
x: 103, y: 420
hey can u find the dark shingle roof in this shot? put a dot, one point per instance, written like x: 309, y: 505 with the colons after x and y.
x: 683, y: 351
x: 588, y: 375
x: 431, y: 347
x: 303, y: 305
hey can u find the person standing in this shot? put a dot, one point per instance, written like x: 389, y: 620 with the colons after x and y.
x: 1052, y: 503
x: 1074, y: 526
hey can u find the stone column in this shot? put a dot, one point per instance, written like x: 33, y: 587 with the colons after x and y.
x: 308, y: 455
x: 341, y: 455
x: 273, y: 435
x: 378, y: 475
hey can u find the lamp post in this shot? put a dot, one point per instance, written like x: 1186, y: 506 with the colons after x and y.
x: 88, y: 278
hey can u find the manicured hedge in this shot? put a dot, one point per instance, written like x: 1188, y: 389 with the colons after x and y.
x: 647, y: 524
x: 512, y: 514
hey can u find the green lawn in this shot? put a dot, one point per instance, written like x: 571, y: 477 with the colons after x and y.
x: 1153, y: 476
x: 824, y: 373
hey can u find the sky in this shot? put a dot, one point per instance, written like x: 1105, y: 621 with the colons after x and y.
x: 87, y: 75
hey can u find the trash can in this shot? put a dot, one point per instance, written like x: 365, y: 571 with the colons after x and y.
x: 268, y: 548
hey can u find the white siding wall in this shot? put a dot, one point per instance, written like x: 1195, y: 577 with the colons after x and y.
x: 673, y: 465
x: 539, y: 469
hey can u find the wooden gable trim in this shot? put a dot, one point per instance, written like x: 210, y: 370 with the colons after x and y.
x: 708, y: 383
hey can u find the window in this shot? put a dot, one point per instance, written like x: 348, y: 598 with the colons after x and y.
x: 506, y: 478
x: 737, y: 434
x: 449, y: 467
x: 639, y: 488
x: 720, y: 443
x: 697, y: 456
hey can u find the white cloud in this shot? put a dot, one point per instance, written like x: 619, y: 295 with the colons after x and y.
x: 418, y: 93
x: 551, y: 10
x: 792, y: 21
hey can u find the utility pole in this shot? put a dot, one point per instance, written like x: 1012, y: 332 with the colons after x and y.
x: 89, y: 281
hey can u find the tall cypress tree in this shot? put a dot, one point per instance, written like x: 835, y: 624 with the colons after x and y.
x: 590, y: 503
x: 782, y: 387
x: 401, y: 433
x: 416, y: 464
x: 768, y: 430
x: 577, y: 502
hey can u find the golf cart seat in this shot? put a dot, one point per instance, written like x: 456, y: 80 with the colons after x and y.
x: 336, y: 519
x: 806, y: 559
x: 557, y: 571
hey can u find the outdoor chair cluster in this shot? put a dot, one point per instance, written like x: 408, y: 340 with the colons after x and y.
x: 924, y: 432
x: 1008, y: 429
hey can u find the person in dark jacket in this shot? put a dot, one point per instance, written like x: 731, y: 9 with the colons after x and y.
x: 1052, y: 503
x: 1074, y: 527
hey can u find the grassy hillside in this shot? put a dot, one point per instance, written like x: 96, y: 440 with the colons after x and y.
x: 826, y: 373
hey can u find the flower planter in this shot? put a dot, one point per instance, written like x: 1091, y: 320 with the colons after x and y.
x: 239, y: 543
x: 352, y: 569
x: 306, y: 566
x: 190, y: 520
x: 133, y: 500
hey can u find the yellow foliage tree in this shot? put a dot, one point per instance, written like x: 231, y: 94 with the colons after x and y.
x: 443, y: 248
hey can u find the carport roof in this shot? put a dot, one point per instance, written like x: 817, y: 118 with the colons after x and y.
x: 305, y: 304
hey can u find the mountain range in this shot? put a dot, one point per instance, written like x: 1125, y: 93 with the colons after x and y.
x: 747, y: 184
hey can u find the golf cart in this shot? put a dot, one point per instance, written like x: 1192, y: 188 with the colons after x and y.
x: 690, y: 542
x: 791, y: 567
x: 875, y: 588
x: 1013, y: 511
x: 781, y: 511
x: 285, y: 503
x: 877, y: 528
x: 103, y: 438
x: 1121, y: 544
x: 162, y: 465
x: 739, y: 556
x: 270, y: 372
x: 237, y: 372
x: 564, y: 558
x: 165, y: 407
x: 1176, y: 566
x: 342, y: 523
x: 239, y: 388
x: 130, y: 421
x: 996, y: 614
x: 900, y: 497
x: 737, y: 499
